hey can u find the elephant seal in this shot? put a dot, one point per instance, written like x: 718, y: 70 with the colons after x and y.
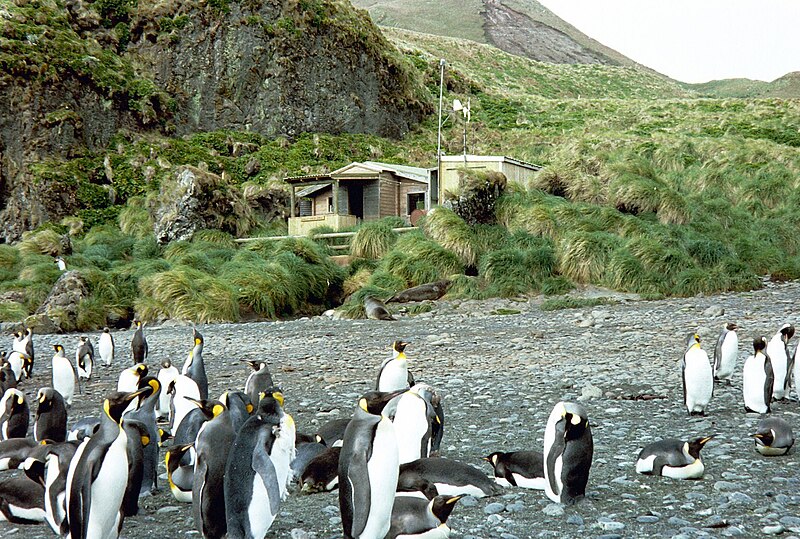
x: 376, y: 310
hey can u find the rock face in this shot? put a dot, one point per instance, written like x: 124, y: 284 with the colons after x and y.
x: 195, y: 200
x: 277, y: 68
x: 59, y: 312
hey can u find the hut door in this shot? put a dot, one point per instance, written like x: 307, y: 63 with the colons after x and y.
x: 355, y: 200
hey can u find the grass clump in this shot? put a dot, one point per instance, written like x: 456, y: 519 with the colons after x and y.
x: 373, y: 240
x: 556, y: 304
x: 451, y: 232
x: 185, y: 293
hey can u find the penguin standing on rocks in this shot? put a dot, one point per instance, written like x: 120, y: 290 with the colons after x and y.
x: 194, y: 367
x: 393, y: 374
x: 698, y: 379
x: 15, y: 416
x: 166, y: 376
x: 64, y: 375
x: 138, y: 439
x: 673, y: 458
x: 139, y: 349
x: 50, y: 422
x: 146, y: 414
x: 778, y: 352
x: 19, y: 364
x: 519, y: 469
x: 208, y: 492
x: 256, y: 480
x: 413, y: 423
x: 758, y: 379
x: 412, y: 517
x: 23, y: 343
x: 98, y: 475
x: 726, y: 353
x: 106, y: 347
x: 568, y: 449
x: 258, y: 381
x: 773, y: 436
x: 368, y: 469
x: 84, y: 357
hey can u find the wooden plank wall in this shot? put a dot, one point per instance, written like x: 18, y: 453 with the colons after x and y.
x: 371, y: 201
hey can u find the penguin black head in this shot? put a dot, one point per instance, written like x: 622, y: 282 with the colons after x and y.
x: 766, y: 437
x: 16, y: 400
x: 270, y: 403
x: 173, y: 457
x: 198, y: 337
x: 140, y: 369
x: 442, y: 506
x: 45, y: 398
x: 759, y: 344
x: 58, y: 348
x: 576, y: 420
x: 493, y: 457
x: 151, y: 382
x: 399, y: 346
x: 210, y: 408
x: 696, y: 444
x: 106, y: 330
x: 730, y: 326
x: 115, y: 403
x: 166, y: 364
x: 374, y: 402
x: 254, y: 364
x: 787, y: 332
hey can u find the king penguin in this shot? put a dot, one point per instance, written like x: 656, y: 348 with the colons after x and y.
x: 180, y: 477
x: 194, y: 367
x: 778, y: 352
x: 64, y: 375
x: 450, y: 477
x: 84, y: 357
x: 208, y: 492
x: 698, y: 378
x: 773, y: 436
x: 146, y: 414
x: 25, y: 346
x: 50, y: 422
x: 138, y: 439
x: 413, y: 425
x: 166, y: 375
x: 15, y: 416
x: 368, y: 469
x: 422, y: 519
x: 257, y: 480
x: 139, y: 343
x: 758, y: 379
x: 106, y: 347
x: 673, y: 458
x: 49, y: 466
x: 21, y: 501
x: 726, y: 353
x: 518, y: 468
x: 258, y: 381
x: 98, y: 475
x: 568, y: 448
x: 394, y: 374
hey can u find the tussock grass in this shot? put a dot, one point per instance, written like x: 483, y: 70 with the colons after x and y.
x: 11, y: 311
x: 9, y: 257
x: 583, y: 256
x: 184, y: 293
x: 42, y: 242
x: 512, y: 272
x: 373, y: 240
x: 557, y: 285
x: 134, y: 219
x: 356, y: 281
x: 466, y: 287
x: 418, y: 260
x: 556, y: 304
x: 451, y: 232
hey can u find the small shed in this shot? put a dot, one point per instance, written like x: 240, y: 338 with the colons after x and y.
x: 450, y: 165
x: 357, y: 192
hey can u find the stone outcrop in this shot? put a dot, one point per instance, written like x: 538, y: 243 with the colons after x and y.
x: 59, y: 312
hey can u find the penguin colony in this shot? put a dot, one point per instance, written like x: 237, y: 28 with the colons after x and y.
x: 235, y: 458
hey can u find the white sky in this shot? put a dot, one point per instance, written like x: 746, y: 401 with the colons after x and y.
x: 694, y: 40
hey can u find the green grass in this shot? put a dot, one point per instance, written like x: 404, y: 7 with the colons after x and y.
x: 557, y: 304
x: 373, y: 240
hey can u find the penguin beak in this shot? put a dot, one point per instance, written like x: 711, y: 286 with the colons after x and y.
x: 454, y: 499
x: 705, y: 440
x: 756, y: 435
x: 138, y: 392
x: 195, y: 401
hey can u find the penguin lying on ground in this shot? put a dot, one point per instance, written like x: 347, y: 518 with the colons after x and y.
x: 180, y: 477
x: 413, y: 517
x: 519, y: 469
x: 673, y: 458
x: 48, y: 465
x: 21, y: 501
x: 304, y: 454
x: 773, y: 436
x: 322, y: 472
x: 14, y: 451
x: 449, y: 477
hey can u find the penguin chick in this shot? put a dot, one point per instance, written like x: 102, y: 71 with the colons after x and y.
x: 698, y: 378
x: 413, y: 517
x: 673, y: 458
x: 773, y: 436
x: 726, y: 353
x: 321, y: 474
x: 519, y: 468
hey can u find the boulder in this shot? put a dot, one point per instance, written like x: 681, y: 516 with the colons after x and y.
x: 61, y: 305
x: 197, y: 199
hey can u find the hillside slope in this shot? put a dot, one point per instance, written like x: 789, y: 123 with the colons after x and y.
x: 523, y: 27
x: 787, y: 87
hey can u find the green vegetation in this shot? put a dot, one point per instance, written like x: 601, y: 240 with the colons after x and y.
x: 556, y: 304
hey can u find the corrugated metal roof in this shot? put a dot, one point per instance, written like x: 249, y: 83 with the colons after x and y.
x: 311, y: 189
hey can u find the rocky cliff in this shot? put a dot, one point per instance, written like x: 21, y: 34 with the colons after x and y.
x: 73, y: 74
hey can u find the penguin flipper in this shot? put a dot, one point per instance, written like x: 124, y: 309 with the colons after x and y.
x: 769, y: 383
x: 263, y: 466
x: 360, y: 493
x: 78, y: 510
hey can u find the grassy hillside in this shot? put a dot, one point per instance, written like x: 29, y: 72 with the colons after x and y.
x: 645, y: 188
x: 465, y: 20
x: 787, y: 86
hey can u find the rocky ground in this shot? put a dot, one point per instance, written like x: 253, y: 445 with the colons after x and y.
x: 501, y: 376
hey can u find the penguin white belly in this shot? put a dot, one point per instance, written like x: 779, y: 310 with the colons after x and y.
x: 410, y: 426
x: 383, y: 469
x: 690, y: 471
x: 4, y: 462
x: 64, y: 379
x: 35, y: 514
x: 259, y: 513
x: 455, y: 490
x: 108, y: 490
x: 442, y: 531
x: 776, y: 351
x: 796, y: 375
x: 645, y: 465
x: 165, y: 377
x: 54, y: 515
x: 699, y: 380
x: 394, y: 376
x: 283, y: 452
x: 503, y: 482
x: 535, y: 483
x: 771, y: 451
x: 728, y: 355
x: 753, y: 381
x: 106, y: 347
x: 184, y: 386
x: 16, y: 362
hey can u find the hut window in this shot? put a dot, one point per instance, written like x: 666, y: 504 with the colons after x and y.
x: 416, y: 201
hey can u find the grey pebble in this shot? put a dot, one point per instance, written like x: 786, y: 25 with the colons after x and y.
x: 647, y: 519
x: 575, y: 520
x: 772, y: 530
x: 494, y: 508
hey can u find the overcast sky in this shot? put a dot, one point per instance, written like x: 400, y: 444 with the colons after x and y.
x: 695, y: 40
